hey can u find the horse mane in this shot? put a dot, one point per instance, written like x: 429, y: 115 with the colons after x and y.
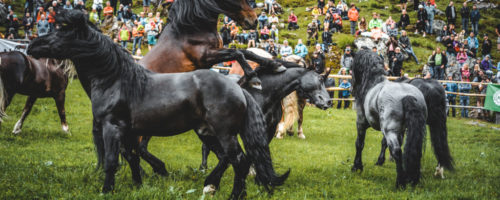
x: 193, y: 15
x: 367, y: 71
x: 114, y: 64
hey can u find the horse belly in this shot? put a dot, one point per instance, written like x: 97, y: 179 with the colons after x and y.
x: 169, y: 118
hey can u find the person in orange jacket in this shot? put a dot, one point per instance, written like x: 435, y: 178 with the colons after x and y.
x: 353, y: 15
x: 108, y: 10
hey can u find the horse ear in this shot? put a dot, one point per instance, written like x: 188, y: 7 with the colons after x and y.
x: 325, y: 76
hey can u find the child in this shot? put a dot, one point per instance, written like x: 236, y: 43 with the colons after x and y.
x: 344, y: 94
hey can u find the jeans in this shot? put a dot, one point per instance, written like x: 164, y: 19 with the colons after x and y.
x: 346, y: 102
x: 124, y: 44
x: 464, y: 101
x: 465, y: 25
x: 137, y: 41
x: 474, y: 27
x: 410, y: 51
x: 353, y: 27
x: 451, y: 100
x: 438, y: 72
x: 429, y: 26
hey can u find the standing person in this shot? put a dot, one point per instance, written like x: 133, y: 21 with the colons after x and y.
x: 405, y: 43
x: 439, y: 61
x: 473, y: 43
x: 474, y: 19
x: 108, y: 10
x: 416, y: 3
x: 397, y: 62
x: 347, y: 59
x: 451, y: 87
x: 300, y: 49
x: 42, y: 26
x: 28, y: 25
x: 292, y: 21
x: 486, y: 46
x: 269, y: 6
x: 124, y: 35
x: 344, y: 93
x: 97, y: 5
x: 431, y: 10
x: 465, y: 13
x: 353, y: 15
x: 285, y: 49
x: 421, y: 20
x: 138, y: 34
x: 391, y: 45
x: 404, y: 20
x: 321, y: 5
x: 464, y: 88
x: 146, y: 6
x: 68, y: 6
x: 326, y: 36
x: 152, y: 31
x: 451, y: 13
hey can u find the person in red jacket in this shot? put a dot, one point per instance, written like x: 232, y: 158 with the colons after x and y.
x: 292, y: 21
x: 353, y: 15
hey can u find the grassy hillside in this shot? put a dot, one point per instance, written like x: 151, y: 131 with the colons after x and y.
x: 45, y: 163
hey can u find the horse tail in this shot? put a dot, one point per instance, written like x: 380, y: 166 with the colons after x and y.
x: 255, y: 139
x: 415, y: 118
x: 69, y: 69
x: 439, y: 132
x: 3, y: 99
x: 291, y: 110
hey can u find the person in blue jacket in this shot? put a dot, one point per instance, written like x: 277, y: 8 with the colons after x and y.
x: 300, y: 49
x: 344, y: 93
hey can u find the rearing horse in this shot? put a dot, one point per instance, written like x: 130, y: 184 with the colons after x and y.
x: 190, y: 39
x: 36, y: 78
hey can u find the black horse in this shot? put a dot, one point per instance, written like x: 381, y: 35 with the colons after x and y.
x: 435, y: 98
x: 129, y: 101
x: 391, y: 108
x: 275, y: 87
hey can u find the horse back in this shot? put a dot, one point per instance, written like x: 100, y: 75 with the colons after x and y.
x: 12, y: 68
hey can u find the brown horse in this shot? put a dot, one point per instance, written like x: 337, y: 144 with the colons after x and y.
x: 190, y: 39
x: 35, y: 78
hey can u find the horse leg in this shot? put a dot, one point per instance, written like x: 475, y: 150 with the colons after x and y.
x: 212, y: 182
x: 302, y: 104
x: 59, y: 99
x: 111, y: 135
x: 205, y: 151
x: 131, y: 155
x: 27, y: 109
x: 263, y: 62
x: 381, y: 157
x: 360, y: 143
x: 157, y: 165
x: 217, y: 56
x: 8, y: 99
x: 394, y: 144
x: 240, y: 164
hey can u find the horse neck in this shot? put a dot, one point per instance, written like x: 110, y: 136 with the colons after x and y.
x: 108, y: 64
x: 363, y: 84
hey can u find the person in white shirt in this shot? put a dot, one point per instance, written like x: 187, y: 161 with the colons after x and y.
x: 286, y: 50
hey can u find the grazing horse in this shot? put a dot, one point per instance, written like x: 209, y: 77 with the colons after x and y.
x: 129, y: 101
x: 35, y: 78
x: 392, y: 108
x: 190, y: 39
x: 435, y: 98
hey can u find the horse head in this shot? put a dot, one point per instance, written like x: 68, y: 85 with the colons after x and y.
x: 240, y: 11
x: 71, y: 34
x: 312, y: 87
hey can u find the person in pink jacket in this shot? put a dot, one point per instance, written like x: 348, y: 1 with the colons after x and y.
x: 462, y: 56
x: 292, y: 21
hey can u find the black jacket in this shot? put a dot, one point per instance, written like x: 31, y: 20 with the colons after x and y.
x: 422, y: 15
x: 486, y: 48
x: 404, y: 41
x: 405, y: 19
x: 465, y: 12
x: 444, y: 60
x: 448, y: 12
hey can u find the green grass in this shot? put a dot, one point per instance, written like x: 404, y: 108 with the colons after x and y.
x: 45, y: 163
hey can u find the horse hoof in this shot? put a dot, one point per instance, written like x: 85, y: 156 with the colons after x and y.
x: 279, y: 136
x: 65, y: 128
x: 16, y: 131
x: 279, y: 69
x: 356, y: 168
x: 209, y: 189
x: 301, y: 136
x: 439, y: 172
x: 252, y: 172
x: 379, y: 163
x: 17, y: 128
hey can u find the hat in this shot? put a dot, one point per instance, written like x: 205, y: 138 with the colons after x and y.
x: 420, y: 6
x: 485, y: 35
